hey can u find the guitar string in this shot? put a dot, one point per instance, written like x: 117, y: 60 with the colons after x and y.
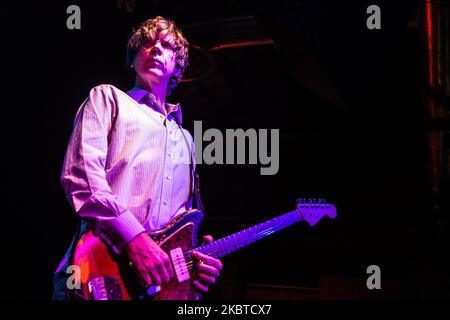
x: 234, y: 239
x: 235, y: 243
x: 217, y: 249
x: 287, y: 220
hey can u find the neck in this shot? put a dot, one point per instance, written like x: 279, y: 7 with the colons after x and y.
x: 224, y: 246
x: 158, y: 89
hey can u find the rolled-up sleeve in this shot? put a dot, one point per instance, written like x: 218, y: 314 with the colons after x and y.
x: 83, y: 175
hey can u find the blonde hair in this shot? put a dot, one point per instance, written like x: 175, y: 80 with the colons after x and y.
x: 153, y: 29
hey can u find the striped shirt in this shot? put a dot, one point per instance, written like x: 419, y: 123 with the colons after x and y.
x: 126, y: 169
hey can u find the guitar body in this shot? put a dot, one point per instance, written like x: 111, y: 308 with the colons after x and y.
x: 107, y: 276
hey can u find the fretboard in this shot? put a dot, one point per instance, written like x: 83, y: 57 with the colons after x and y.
x: 235, y: 241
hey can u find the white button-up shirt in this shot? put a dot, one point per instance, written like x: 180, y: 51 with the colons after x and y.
x: 126, y: 168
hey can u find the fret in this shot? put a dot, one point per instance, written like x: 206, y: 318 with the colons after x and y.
x: 247, y: 236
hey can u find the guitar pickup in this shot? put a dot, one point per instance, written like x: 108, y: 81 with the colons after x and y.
x: 179, y: 264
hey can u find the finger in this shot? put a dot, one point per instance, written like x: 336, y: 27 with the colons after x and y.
x: 206, y: 279
x: 208, y: 239
x: 163, y: 274
x: 169, y: 268
x: 156, y: 279
x: 163, y: 270
x: 146, y: 278
x: 208, y: 259
x: 199, y: 286
x: 210, y: 270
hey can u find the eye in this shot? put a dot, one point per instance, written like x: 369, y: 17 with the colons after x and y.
x: 167, y: 45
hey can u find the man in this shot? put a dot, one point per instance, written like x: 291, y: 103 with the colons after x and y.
x: 127, y: 167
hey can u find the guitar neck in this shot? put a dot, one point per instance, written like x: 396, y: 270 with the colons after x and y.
x: 235, y: 241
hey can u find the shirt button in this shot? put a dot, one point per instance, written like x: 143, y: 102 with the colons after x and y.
x: 165, y: 203
x: 168, y: 177
x: 169, y: 153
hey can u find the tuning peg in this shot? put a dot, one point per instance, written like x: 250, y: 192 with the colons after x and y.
x: 312, y: 203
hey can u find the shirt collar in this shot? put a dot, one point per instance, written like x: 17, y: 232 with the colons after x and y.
x: 142, y: 95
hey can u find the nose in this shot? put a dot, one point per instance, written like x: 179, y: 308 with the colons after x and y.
x: 156, y: 48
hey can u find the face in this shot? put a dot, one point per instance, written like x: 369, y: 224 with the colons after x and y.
x: 156, y: 61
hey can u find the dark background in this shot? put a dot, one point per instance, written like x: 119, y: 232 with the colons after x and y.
x: 350, y: 104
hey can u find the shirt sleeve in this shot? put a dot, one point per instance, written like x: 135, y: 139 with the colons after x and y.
x: 83, y: 175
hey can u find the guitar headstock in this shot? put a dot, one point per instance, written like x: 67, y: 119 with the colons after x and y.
x: 312, y: 210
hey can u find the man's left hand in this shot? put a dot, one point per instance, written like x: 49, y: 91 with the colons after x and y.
x: 208, y: 269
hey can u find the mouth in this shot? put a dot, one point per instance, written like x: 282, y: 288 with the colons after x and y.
x: 154, y: 62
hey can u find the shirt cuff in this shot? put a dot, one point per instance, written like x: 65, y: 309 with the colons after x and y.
x: 119, y: 231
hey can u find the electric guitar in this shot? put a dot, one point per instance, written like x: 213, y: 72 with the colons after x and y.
x: 107, y: 276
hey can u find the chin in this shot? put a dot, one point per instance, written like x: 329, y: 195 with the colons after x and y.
x: 153, y: 70
x: 152, y: 74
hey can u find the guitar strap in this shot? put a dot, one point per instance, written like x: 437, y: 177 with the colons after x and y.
x: 194, y: 190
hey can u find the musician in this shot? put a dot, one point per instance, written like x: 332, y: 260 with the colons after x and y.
x: 127, y: 169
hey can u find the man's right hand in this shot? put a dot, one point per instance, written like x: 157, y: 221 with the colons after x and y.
x: 151, y: 262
